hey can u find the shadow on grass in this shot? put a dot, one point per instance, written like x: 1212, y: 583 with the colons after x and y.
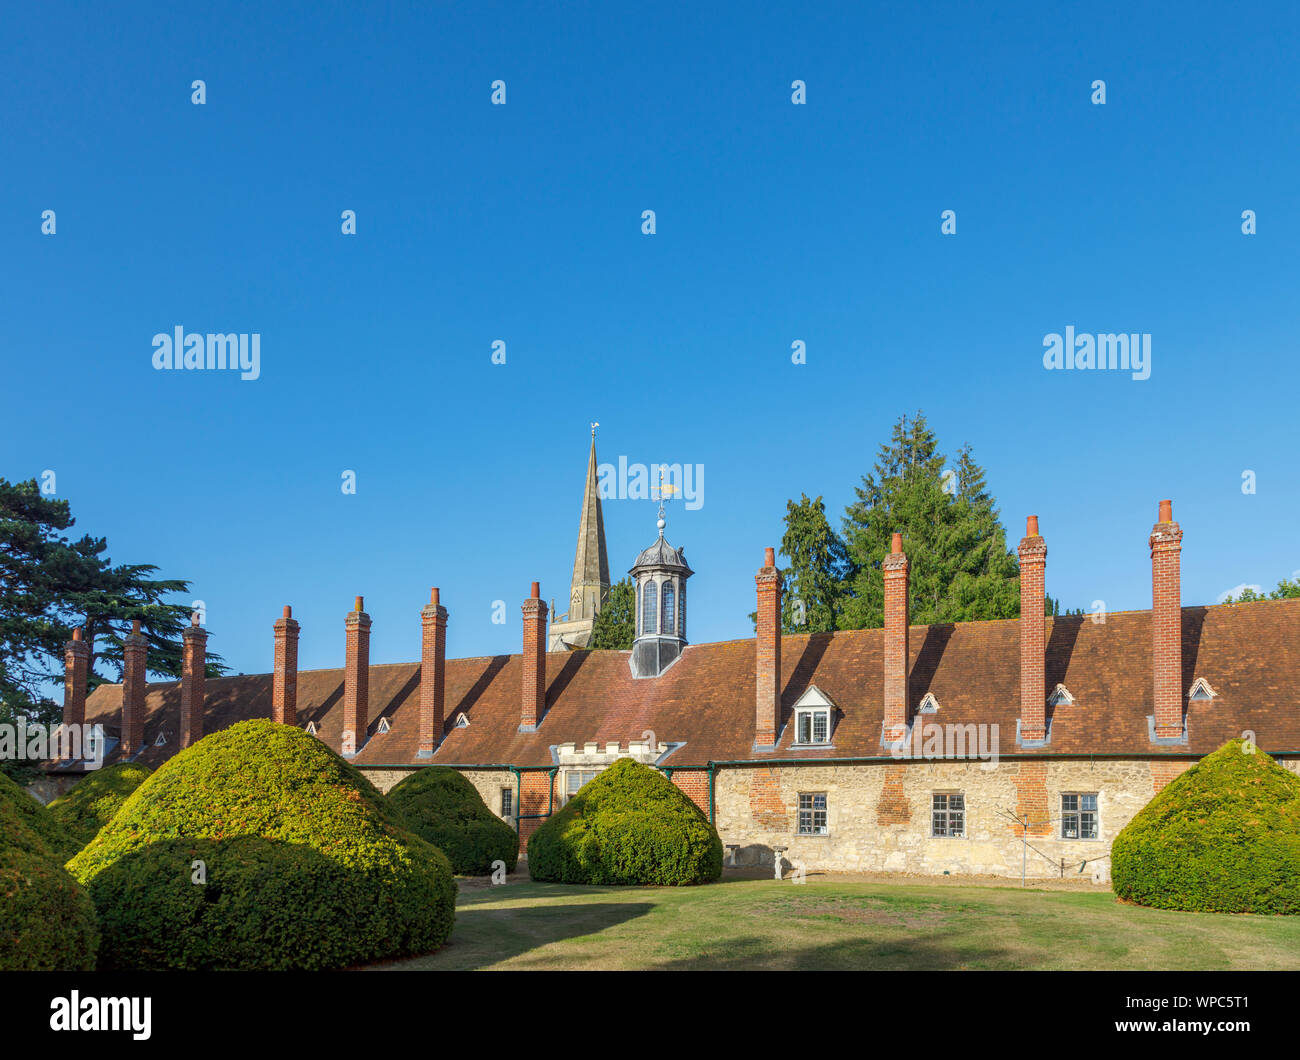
x: 488, y: 934
x: 912, y: 953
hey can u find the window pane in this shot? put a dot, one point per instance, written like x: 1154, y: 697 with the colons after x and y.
x: 1069, y: 802
x: 669, y: 608
x: 820, y: 719
x: 805, y: 728
x: 649, y: 608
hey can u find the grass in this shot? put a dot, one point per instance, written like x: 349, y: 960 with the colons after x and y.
x: 763, y: 924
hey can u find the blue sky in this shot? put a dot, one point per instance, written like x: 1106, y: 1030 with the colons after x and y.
x: 522, y: 223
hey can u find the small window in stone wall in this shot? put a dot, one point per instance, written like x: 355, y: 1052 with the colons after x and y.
x: 1079, y: 816
x: 948, y: 815
x: 812, y: 813
x: 507, y: 802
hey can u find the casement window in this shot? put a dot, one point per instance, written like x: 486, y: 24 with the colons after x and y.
x: 1079, y: 816
x: 507, y: 802
x: 574, y: 779
x: 948, y: 815
x: 649, y: 608
x: 812, y: 813
x: 813, y: 726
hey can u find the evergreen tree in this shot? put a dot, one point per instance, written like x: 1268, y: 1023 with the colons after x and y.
x: 818, y: 575
x: 50, y: 585
x: 961, y: 568
x: 615, y: 624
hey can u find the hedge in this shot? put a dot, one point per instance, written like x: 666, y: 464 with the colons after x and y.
x: 441, y: 806
x: 303, y: 864
x: 93, y: 801
x: 47, y: 922
x: 27, y: 825
x: 1224, y: 837
x: 629, y: 825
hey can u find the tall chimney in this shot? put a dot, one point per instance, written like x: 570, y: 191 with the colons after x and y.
x: 284, y: 684
x: 356, y: 679
x: 76, y: 670
x: 135, y: 649
x: 1167, y: 624
x: 767, y: 666
x: 433, y: 674
x: 194, y: 660
x: 534, y: 679
x: 895, y: 568
x: 1033, y: 646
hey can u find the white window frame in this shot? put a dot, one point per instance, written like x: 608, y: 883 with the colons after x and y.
x: 812, y: 703
x: 591, y: 773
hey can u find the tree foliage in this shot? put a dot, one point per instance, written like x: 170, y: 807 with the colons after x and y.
x: 615, y: 624
x: 51, y: 584
x: 1286, y: 590
x: 441, y: 806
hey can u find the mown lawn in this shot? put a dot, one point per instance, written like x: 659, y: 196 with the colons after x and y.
x: 740, y: 923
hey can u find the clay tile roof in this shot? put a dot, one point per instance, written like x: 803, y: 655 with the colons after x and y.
x: 1249, y: 654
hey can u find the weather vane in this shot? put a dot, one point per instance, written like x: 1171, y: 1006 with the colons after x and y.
x: 593, y: 429
x: 666, y: 490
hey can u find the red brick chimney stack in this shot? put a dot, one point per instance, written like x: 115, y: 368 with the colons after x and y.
x: 135, y: 649
x: 767, y: 665
x: 895, y: 568
x: 356, y: 679
x: 534, y: 677
x: 1033, y: 645
x: 194, y: 660
x: 1167, y: 624
x: 284, y: 685
x: 433, y: 674
x: 76, y: 669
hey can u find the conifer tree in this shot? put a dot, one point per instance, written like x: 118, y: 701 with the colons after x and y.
x: 615, y: 623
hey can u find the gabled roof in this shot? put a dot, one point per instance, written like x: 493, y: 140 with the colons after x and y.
x: 1250, y: 653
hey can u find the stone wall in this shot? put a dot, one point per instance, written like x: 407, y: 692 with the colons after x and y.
x: 879, y: 815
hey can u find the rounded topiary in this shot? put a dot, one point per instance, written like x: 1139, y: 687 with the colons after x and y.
x: 1223, y: 837
x: 26, y: 824
x: 259, y: 847
x: 47, y: 921
x: 91, y: 804
x: 630, y: 825
x: 440, y: 805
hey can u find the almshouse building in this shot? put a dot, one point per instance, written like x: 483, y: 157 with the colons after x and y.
x: 972, y: 747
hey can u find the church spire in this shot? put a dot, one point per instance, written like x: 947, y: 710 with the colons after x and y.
x: 590, y: 583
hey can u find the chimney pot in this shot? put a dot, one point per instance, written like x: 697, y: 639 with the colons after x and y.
x: 1166, y: 511
x: 135, y: 627
x: 76, y: 633
x: 288, y: 611
x: 769, y: 557
x: 360, y: 604
x: 433, y: 596
x: 896, y: 545
x: 536, y: 593
x: 1031, y: 526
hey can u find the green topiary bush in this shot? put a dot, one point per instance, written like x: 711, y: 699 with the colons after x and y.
x: 47, y: 922
x: 630, y: 825
x: 443, y: 807
x: 27, y: 825
x: 91, y: 804
x: 1224, y: 837
x: 303, y: 865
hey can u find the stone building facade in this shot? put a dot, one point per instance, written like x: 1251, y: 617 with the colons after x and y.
x: 969, y: 748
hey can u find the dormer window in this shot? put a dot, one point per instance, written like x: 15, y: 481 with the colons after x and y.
x: 1201, y: 692
x: 929, y: 704
x: 1060, y: 694
x: 814, y: 719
